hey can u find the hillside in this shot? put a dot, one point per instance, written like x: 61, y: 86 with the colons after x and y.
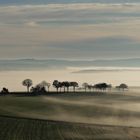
x: 33, y: 129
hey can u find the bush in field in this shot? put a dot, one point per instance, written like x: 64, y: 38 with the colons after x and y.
x: 28, y: 83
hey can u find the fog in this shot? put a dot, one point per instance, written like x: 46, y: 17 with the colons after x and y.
x: 113, y: 108
x: 106, y: 109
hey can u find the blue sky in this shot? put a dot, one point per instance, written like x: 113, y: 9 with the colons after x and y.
x: 69, y: 29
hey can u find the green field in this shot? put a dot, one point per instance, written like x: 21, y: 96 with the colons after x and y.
x: 75, y: 116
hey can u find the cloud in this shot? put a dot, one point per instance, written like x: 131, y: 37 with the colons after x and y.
x: 70, y: 6
x: 104, y: 69
x: 31, y: 24
x: 69, y: 13
x: 69, y: 30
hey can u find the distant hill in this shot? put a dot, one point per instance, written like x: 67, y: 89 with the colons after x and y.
x: 36, y: 64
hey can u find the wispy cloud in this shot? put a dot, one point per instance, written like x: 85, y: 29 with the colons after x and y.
x: 77, y: 70
x: 64, y: 30
x: 55, y: 12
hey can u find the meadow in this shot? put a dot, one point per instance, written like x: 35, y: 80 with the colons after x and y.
x: 70, y: 116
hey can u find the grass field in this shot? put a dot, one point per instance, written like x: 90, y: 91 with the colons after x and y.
x: 32, y: 129
x: 75, y: 116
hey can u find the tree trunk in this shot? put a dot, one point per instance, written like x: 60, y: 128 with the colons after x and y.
x: 74, y: 89
x: 57, y: 90
x: 28, y: 89
x: 67, y: 89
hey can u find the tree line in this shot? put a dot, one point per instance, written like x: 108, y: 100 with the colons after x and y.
x: 65, y: 86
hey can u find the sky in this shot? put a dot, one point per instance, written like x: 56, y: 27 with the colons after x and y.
x: 70, y: 30
x: 76, y: 29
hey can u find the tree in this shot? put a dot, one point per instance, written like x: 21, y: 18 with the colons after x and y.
x: 39, y: 88
x: 123, y: 86
x: 101, y: 86
x: 57, y: 84
x: 45, y: 84
x: 5, y: 90
x: 109, y: 87
x: 66, y: 84
x: 90, y: 87
x: 85, y: 86
x: 28, y: 83
x: 48, y: 86
x: 74, y: 85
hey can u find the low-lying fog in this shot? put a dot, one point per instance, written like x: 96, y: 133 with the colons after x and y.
x: 112, y: 109
x: 97, y: 108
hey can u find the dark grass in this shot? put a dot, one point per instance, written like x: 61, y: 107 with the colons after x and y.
x: 32, y: 105
x: 14, y: 128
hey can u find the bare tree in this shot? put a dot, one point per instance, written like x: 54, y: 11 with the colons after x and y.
x: 28, y: 83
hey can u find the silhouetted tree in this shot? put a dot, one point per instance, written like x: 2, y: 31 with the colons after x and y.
x: 48, y: 86
x: 60, y: 86
x: 45, y: 84
x: 5, y: 90
x: 85, y: 86
x: 28, y: 83
x: 101, y: 86
x: 74, y: 85
x: 57, y: 84
x: 39, y: 88
x: 109, y: 87
x: 90, y: 87
x: 122, y: 86
x: 65, y: 85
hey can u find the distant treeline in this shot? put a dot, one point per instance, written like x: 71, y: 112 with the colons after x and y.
x: 66, y: 86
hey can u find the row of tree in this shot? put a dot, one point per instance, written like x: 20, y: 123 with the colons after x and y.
x: 66, y: 85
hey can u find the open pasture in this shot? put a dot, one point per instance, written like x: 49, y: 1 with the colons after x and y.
x: 33, y: 129
x: 75, y: 116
